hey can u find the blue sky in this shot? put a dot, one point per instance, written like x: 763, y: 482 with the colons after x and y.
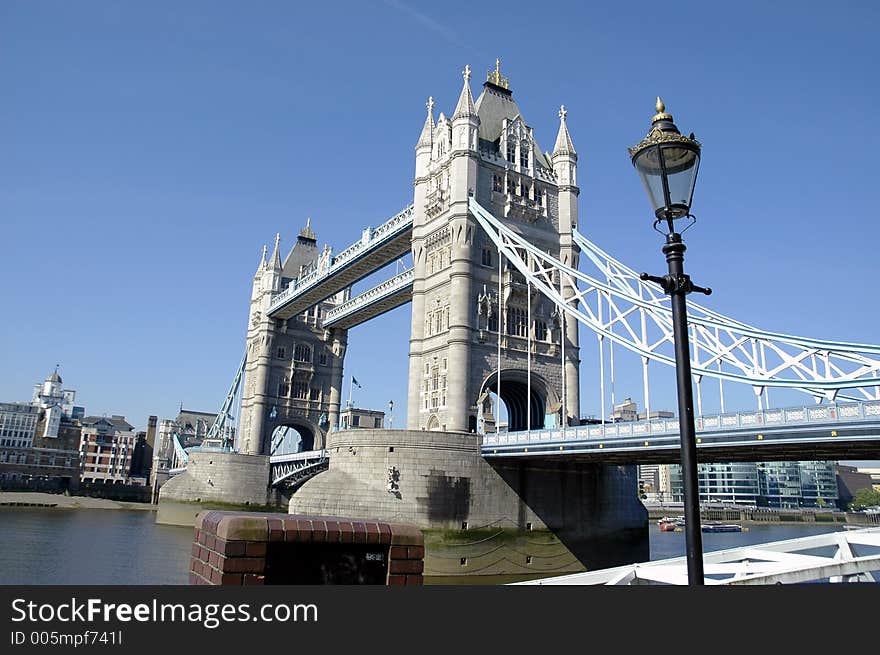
x: 149, y: 150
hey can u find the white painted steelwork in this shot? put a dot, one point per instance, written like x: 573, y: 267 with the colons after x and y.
x: 793, y: 417
x: 370, y: 240
x: 296, y: 468
x: 845, y: 556
x: 636, y: 315
x: 368, y: 299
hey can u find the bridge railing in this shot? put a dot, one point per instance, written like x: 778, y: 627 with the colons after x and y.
x: 787, y: 416
x: 369, y: 239
x: 398, y: 281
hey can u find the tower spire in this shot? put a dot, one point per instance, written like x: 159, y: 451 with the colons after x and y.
x: 276, y: 256
x: 465, y: 106
x: 564, y: 146
x: 427, y: 136
x: 262, y: 265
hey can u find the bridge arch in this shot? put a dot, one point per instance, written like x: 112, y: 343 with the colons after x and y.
x: 518, y: 401
x: 285, y: 433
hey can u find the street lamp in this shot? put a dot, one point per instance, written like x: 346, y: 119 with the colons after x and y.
x: 390, y: 414
x: 667, y: 164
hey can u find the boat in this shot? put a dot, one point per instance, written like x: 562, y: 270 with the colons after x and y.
x: 671, y: 524
x: 722, y: 527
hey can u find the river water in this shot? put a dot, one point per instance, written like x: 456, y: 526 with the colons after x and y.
x: 121, y: 547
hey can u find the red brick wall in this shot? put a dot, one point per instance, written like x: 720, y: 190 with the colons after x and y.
x: 230, y: 548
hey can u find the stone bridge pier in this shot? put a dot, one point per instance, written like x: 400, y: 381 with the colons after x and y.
x: 511, y: 519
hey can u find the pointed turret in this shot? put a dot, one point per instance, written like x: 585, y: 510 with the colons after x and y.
x: 276, y: 255
x: 465, y: 121
x: 427, y: 136
x: 262, y: 265
x: 564, y: 146
x: 465, y: 106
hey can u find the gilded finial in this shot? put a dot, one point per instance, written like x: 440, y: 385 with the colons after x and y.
x: 430, y: 105
x: 466, y: 73
x: 495, y: 77
x: 277, y: 239
x: 661, y: 111
x: 562, y: 112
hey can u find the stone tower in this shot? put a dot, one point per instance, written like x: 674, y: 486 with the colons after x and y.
x: 488, y: 150
x: 293, y: 367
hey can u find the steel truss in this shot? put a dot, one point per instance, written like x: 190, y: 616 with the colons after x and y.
x: 636, y: 315
x: 294, y: 469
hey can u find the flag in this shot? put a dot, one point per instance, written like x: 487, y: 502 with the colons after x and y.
x: 355, y: 382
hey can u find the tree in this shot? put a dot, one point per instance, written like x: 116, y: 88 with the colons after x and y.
x: 865, y: 498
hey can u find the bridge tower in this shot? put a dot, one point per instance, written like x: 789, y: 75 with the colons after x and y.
x: 461, y: 317
x: 293, y: 367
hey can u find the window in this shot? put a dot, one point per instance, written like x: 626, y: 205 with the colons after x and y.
x: 282, y: 352
x: 302, y: 353
x: 524, y: 156
x: 377, y: 423
x: 511, y: 153
x: 493, y: 323
x: 497, y: 182
x: 355, y: 421
x: 323, y: 359
x: 541, y: 330
x: 486, y: 257
x: 516, y: 322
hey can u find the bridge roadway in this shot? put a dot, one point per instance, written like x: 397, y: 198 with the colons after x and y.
x: 376, y: 248
x: 848, y: 431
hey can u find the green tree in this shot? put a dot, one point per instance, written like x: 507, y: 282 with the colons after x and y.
x: 865, y: 498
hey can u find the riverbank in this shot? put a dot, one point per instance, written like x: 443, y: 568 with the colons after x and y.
x: 757, y: 516
x: 36, y: 500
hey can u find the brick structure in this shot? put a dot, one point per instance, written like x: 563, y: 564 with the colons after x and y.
x: 248, y: 548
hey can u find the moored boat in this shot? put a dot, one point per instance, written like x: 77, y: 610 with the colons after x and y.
x: 721, y: 527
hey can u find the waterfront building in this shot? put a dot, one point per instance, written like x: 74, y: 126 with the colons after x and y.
x: 106, y: 449
x: 40, y: 439
x: 56, y: 403
x: 17, y: 424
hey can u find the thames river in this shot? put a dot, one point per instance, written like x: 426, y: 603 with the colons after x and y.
x: 121, y: 547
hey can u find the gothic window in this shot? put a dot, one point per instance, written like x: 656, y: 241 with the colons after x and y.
x: 541, y: 330
x: 511, y: 153
x: 282, y: 352
x: 497, y: 182
x: 315, y: 393
x: 525, y: 189
x: 323, y: 359
x: 283, y: 388
x: 302, y: 353
x: 301, y: 390
x: 493, y: 323
x: 516, y: 322
x: 524, y: 155
x: 486, y: 257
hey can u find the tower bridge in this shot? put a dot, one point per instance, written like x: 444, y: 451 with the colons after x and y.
x: 497, y: 296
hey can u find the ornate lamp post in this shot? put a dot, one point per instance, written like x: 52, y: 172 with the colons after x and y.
x: 390, y: 414
x: 667, y: 164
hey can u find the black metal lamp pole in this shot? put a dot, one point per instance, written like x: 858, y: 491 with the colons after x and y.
x: 667, y: 163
